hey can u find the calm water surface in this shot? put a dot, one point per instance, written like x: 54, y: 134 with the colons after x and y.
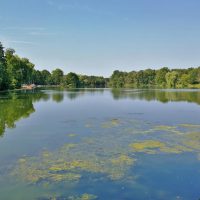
x: 100, y: 144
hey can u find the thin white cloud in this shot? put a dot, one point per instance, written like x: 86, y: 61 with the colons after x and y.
x: 75, y: 5
x: 39, y: 33
x: 22, y: 42
x: 9, y: 42
x: 18, y: 28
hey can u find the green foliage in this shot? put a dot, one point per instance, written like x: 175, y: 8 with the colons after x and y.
x: 46, y: 77
x: 175, y: 78
x: 160, y: 76
x: 57, y: 76
x: 19, y: 70
x: 92, y: 81
x: 37, y: 77
x: 71, y: 80
x: 171, y: 79
x: 117, y: 79
x: 3, y: 72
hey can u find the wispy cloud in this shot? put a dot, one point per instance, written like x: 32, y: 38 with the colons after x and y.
x: 19, y: 28
x: 60, y: 5
x: 22, y: 42
x: 32, y: 31
x: 76, y: 5
x: 9, y: 42
x: 41, y: 33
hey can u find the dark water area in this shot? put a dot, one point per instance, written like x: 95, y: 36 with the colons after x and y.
x: 83, y: 144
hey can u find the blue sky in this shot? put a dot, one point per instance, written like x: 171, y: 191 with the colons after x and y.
x: 99, y: 36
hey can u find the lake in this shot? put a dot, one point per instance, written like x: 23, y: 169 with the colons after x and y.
x: 83, y: 144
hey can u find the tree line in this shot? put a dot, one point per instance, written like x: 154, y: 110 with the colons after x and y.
x: 161, y: 78
x: 16, y: 71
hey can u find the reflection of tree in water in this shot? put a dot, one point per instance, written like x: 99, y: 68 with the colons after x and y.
x: 75, y: 93
x: 58, y: 97
x: 17, y: 105
x: 159, y: 95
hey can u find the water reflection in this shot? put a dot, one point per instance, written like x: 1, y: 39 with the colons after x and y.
x: 163, y: 96
x: 69, y: 152
x: 58, y: 97
x: 17, y: 105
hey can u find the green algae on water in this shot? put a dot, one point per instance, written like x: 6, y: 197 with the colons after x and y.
x: 83, y: 197
x: 190, y: 125
x: 72, y: 135
x: 154, y: 147
x: 107, y: 153
x: 111, y: 123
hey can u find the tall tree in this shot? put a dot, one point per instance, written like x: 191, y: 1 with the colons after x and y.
x: 71, y: 80
x: 172, y: 79
x: 160, y: 76
x: 57, y: 76
x: 117, y: 79
x: 3, y: 71
x: 14, y: 67
x: 46, y: 76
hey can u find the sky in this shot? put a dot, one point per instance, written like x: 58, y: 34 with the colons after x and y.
x: 96, y: 37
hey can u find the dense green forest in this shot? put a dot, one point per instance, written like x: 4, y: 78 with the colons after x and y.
x: 16, y: 71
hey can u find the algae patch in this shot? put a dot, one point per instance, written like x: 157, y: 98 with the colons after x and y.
x: 71, y: 161
x: 84, y: 197
x: 72, y: 135
x: 155, y: 146
x: 111, y: 123
x: 148, y: 146
x: 106, y: 153
x: 190, y: 125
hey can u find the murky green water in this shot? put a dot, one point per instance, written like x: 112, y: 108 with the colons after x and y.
x: 100, y: 144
